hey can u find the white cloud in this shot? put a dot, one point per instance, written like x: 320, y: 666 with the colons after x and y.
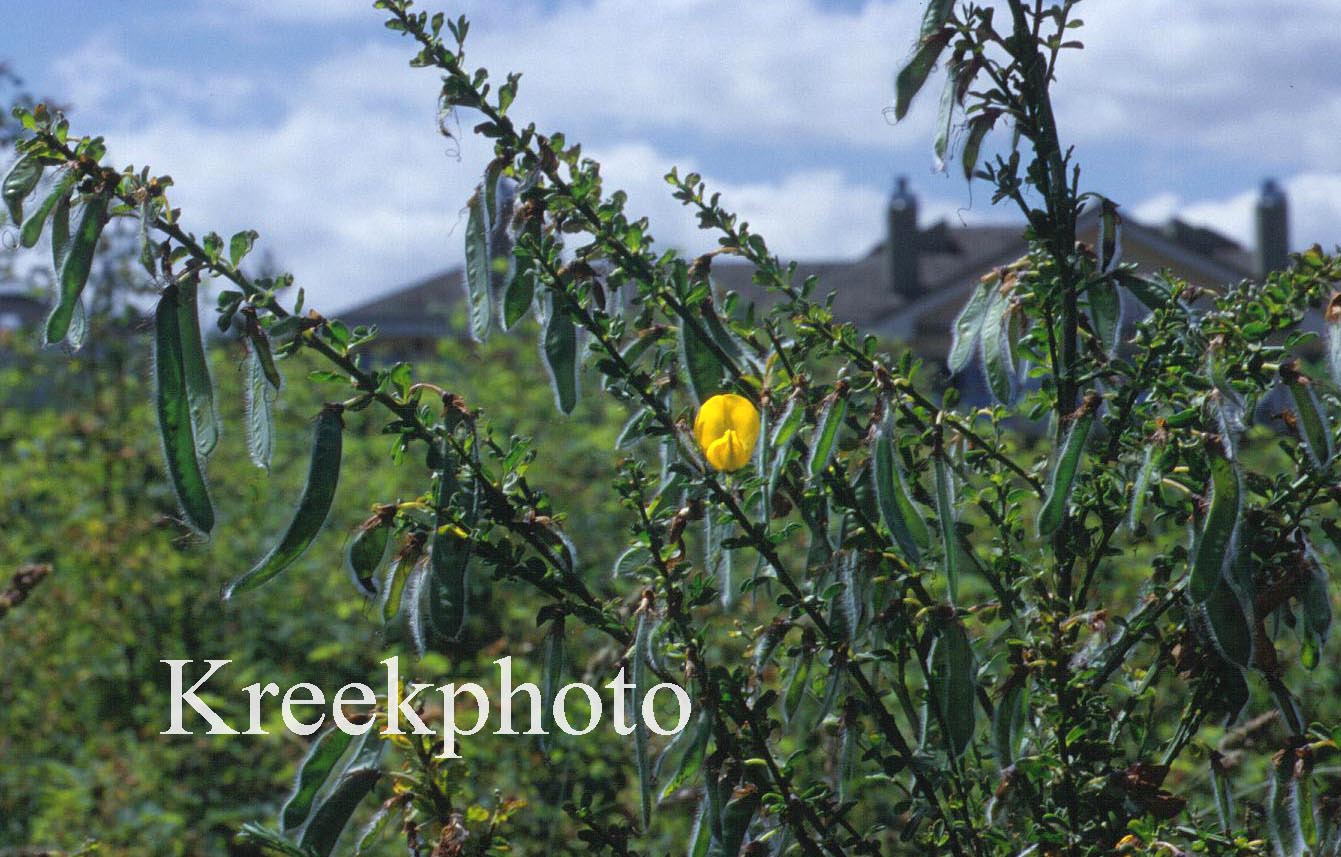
x: 1233, y: 78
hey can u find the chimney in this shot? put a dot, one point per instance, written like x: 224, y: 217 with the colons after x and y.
x: 901, y: 242
x: 1273, y: 230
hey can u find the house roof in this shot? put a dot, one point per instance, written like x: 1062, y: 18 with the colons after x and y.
x: 952, y: 259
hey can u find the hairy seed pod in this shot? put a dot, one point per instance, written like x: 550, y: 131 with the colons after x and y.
x: 1216, y: 545
x: 199, y: 386
x: 315, y: 504
x: 1313, y: 426
x: 367, y: 549
x: 76, y: 264
x: 897, y: 511
x: 950, y: 685
x: 1063, y: 475
x: 174, y: 415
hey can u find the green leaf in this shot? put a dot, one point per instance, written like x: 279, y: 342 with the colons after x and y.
x: 1216, y: 546
x: 240, y: 245
x: 313, y: 772
x: 968, y: 324
x: 477, y: 268
x: 32, y: 227
x: 199, y: 386
x: 315, y: 504
x: 174, y: 415
x: 897, y: 511
x: 75, y: 266
x: 1063, y: 475
x: 20, y: 181
x: 950, y: 685
x: 559, y: 345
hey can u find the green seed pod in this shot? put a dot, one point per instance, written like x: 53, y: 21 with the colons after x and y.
x: 946, y: 522
x: 552, y: 669
x: 637, y: 659
x: 736, y: 816
x: 32, y: 227
x: 76, y: 264
x: 1216, y: 546
x: 409, y: 557
x: 313, y: 772
x: 950, y: 685
x: 315, y: 504
x: 1284, y: 828
x: 1010, y: 718
x: 830, y: 420
x: 199, y: 387
x: 18, y: 183
x: 448, y: 595
x: 1313, y: 425
x: 994, y: 350
x: 367, y: 549
x: 559, y: 347
x: 1230, y: 629
x: 1142, y: 486
x: 1063, y: 475
x: 174, y: 414
x: 1316, y: 604
x: 897, y: 511
x: 692, y: 744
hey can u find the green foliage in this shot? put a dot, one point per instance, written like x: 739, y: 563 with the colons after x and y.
x: 1112, y: 662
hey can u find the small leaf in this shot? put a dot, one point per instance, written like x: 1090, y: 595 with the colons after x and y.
x: 240, y: 245
x: 315, y: 504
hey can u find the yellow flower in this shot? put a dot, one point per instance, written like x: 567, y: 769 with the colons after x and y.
x: 727, y: 428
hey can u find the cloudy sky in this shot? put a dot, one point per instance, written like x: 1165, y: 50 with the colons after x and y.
x: 302, y: 119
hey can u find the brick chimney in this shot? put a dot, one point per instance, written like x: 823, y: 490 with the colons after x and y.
x: 1272, y: 218
x: 901, y: 242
